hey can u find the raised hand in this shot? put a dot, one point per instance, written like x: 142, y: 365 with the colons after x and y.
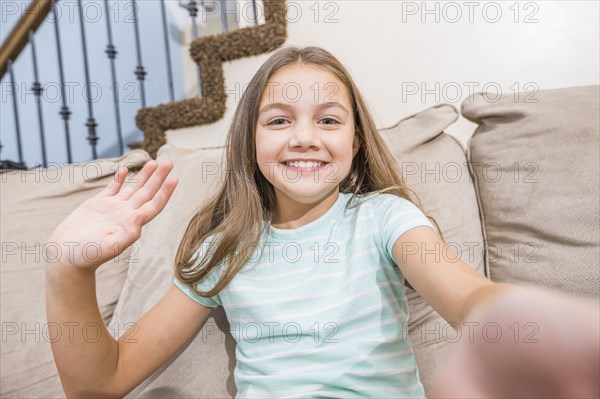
x: 103, y: 226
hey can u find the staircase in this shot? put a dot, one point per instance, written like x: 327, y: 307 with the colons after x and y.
x: 92, y: 79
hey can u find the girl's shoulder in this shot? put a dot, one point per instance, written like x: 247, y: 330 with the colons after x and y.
x: 378, y: 200
x: 383, y: 208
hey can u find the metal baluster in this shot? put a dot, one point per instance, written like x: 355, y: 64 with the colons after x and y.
x: 16, y: 110
x: 167, y: 50
x: 91, y: 122
x: 111, y: 51
x: 38, y: 90
x: 64, y: 111
x: 254, y: 14
x: 224, y: 15
x: 139, y: 70
x: 193, y: 10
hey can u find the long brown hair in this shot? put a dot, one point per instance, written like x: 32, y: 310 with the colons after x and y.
x: 236, y: 214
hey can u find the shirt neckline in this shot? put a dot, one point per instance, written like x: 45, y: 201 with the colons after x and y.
x: 311, y: 227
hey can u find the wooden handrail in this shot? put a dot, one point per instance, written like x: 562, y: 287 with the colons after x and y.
x: 18, y: 37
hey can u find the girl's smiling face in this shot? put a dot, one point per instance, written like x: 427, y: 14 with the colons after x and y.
x: 305, y: 114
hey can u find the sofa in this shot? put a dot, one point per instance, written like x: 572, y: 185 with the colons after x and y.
x: 520, y: 205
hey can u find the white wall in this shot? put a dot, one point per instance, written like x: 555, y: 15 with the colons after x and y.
x: 393, y: 47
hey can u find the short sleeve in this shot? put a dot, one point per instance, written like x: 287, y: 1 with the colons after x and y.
x: 206, y: 284
x: 396, y: 216
x: 211, y: 302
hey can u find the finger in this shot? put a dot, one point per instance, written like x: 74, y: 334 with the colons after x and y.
x: 152, y: 208
x: 153, y: 184
x: 116, y: 183
x: 141, y: 177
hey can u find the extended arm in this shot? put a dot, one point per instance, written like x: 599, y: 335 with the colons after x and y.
x: 545, y: 344
x: 446, y: 282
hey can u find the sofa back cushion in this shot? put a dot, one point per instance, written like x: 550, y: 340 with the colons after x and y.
x: 204, y: 367
x: 32, y: 204
x: 535, y: 160
x: 434, y: 166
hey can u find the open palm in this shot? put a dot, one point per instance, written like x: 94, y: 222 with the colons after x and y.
x: 103, y: 226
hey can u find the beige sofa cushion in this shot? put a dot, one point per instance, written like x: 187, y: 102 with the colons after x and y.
x: 32, y: 204
x: 536, y: 166
x: 434, y: 166
x: 204, y: 368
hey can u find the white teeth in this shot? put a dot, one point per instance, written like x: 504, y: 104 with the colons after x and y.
x: 303, y: 164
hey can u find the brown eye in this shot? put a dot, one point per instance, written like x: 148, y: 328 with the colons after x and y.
x: 331, y: 120
x: 276, y: 120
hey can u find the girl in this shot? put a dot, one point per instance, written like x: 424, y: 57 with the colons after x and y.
x: 307, y: 242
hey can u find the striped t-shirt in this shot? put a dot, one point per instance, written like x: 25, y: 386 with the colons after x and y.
x: 320, y: 310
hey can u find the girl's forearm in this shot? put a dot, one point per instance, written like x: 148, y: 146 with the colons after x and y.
x: 85, y: 353
x: 483, y: 296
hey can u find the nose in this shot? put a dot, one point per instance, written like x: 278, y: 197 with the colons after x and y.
x: 304, y: 135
